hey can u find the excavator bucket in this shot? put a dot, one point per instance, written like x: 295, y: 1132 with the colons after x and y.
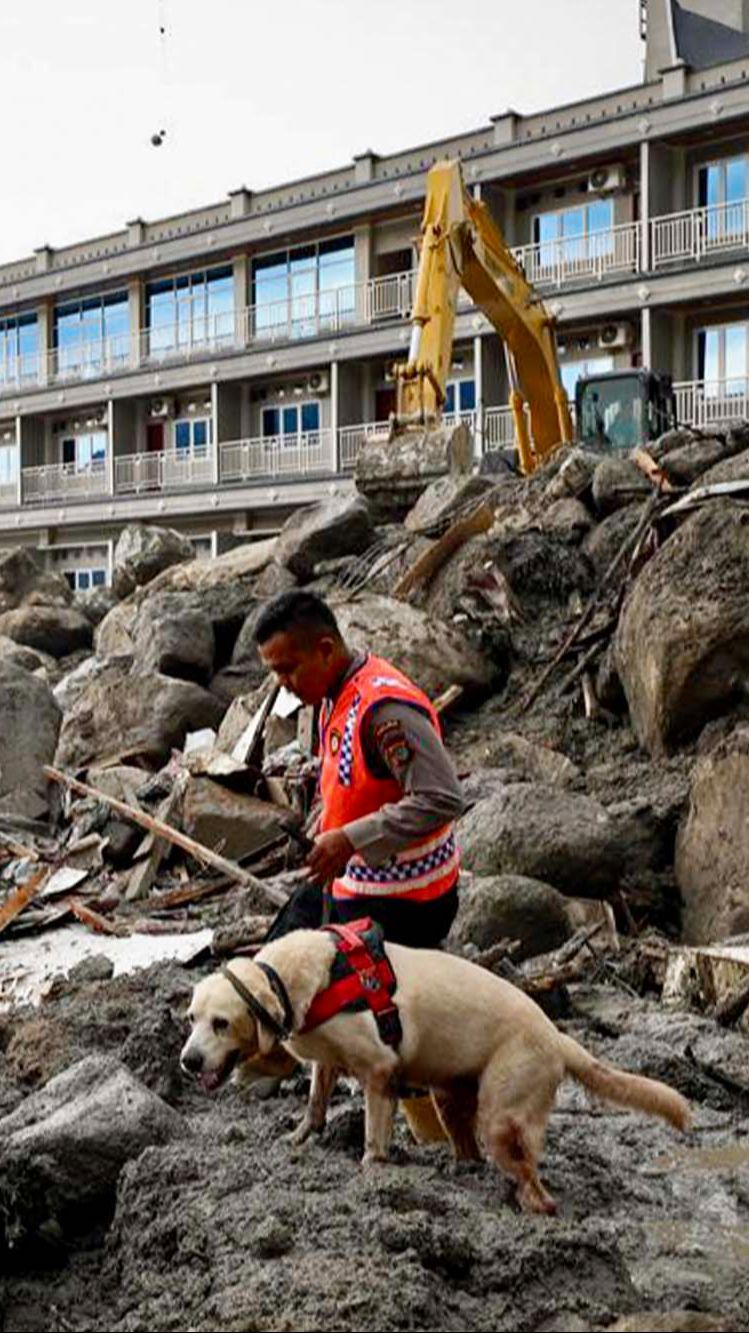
x: 393, y: 470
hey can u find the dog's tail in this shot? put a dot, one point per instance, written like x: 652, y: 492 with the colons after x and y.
x: 613, y: 1085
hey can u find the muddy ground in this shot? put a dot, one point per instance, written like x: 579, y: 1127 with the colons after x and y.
x: 230, y: 1229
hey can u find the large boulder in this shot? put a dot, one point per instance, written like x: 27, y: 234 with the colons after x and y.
x: 63, y: 1149
x: 712, y: 847
x: 568, y: 519
x: 28, y: 659
x: 140, y: 717
x: 29, y: 727
x: 545, y: 833
x: 433, y: 654
x: 735, y: 468
x: 23, y: 579
x: 176, y: 640
x: 341, y: 525
x: 443, y: 498
x: 682, y: 644
x: 96, y: 603
x: 68, y: 690
x: 142, y: 552
x: 392, y: 474
x: 604, y: 543
x: 233, y: 823
x: 512, y: 907
x: 683, y: 466
x: 617, y: 482
x: 57, y: 630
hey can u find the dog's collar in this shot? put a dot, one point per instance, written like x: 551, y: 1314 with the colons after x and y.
x: 281, y: 1031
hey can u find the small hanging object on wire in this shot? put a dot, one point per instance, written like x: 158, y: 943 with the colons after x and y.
x: 158, y: 138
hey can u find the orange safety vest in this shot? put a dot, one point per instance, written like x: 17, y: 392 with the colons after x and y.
x: 420, y: 872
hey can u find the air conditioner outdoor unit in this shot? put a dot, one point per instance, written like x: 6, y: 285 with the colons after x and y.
x: 615, y: 335
x: 161, y: 407
x: 605, y: 179
x: 318, y: 382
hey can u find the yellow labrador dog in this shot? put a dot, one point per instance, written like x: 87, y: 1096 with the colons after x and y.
x: 462, y: 1028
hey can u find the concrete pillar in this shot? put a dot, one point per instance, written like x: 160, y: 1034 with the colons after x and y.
x: 334, y: 414
x: 646, y: 337
x: 215, y: 477
x: 45, y: 323
x: 137, y: 321
x: 241, y: 301
x: 19, y: 479
x: 645, y: 206
x: 110, y: 447
x: 362, y: 254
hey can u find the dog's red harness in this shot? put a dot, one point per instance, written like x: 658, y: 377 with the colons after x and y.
x: 361, y: 978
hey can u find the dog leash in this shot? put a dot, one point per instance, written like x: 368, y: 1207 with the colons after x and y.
x: 281, y: 1031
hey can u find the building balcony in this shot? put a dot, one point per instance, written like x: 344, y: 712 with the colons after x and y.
x: 305, y: 455
x: 57, y: 482
x: 166, y: 469
x: 699, y: 233
x: 716, y: 404
x: 582, y: 260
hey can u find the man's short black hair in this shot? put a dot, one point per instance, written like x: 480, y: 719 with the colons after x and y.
x: 296, y: 610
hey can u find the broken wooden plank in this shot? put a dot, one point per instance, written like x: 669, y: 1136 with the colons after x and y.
x: 145, y: 870
x: 195, y: 849
x: 101, y: 925
x: 22, y: 896
x: 432, y: 560
x: 647, y: 465
x: 18, y: 848
x: 709, y: 978
x: 448, y: 697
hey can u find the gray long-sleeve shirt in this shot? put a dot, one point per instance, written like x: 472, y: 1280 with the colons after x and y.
x: 400, y: 741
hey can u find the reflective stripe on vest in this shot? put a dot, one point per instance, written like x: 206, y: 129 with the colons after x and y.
x: 428, y: 867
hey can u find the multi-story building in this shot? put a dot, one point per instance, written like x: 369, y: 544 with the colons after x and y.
x: 215, y: 370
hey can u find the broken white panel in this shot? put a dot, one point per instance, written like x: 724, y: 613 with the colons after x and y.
x: 286, y: 703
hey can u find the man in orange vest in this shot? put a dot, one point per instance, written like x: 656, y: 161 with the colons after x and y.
x: 385, y: 841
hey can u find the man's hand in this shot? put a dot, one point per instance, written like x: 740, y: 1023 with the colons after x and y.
x: 329, y: 856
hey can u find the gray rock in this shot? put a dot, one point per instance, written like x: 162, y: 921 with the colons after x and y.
x: 57, y: 630
x: 568, y: 519
x: 236, y: 680
x: 23, y: 579
x: 95, y: 604
x: 274, y: 580
x: 685, y: 465
x: 603, y: 544
x: 233, y: 823
x: 29, y: 728
x: 143, y: 716
x: 441, y: 499
x: 674, y: 1321
x: 432, y: 653
x: 28, y: 659
x: 671, y: 440
x: 562, y: 838
x: 616, y: 483
x: 341, y: 525
x: 175, y: 640
x: 731, y: 469
x: 392, y: 474
x: 63, y: 1149
x: 712, y: 847
x: 512, y: 907
x: 142, y: 552
x: 68, y: 690
x: 682, y: 644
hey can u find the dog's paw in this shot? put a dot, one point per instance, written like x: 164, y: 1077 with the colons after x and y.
x: 373, y: 1161
x: 296, y: 1138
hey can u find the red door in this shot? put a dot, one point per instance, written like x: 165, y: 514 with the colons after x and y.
x: 155, y: 437
x: 384, y: 403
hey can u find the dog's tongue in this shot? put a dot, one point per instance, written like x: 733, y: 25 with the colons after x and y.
x: 209, y: 1081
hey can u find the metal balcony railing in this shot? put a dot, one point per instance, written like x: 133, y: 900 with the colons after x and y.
x: 600, y: 254
x: 716, y: 403
x: 304, y: 455
x: 697, y: 233
x: 64, y: 481
x: 167, y: 469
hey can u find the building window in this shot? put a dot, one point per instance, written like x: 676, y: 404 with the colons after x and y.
x: 93, y: 335
x: 723, y: 188
x: 301, y: 292
x: 295, y: 423
x: 723, y: 358
x: 191, y: 311
x: 460, y: 397
x: 572, y: 371
x: 82, y: 580
x: 85, y: 452
x: 192, y: 435
x: 575, y: 235
x: 8, y: 468
x: 19, y: 349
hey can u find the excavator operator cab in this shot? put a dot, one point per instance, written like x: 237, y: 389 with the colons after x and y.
x: 623, y: 409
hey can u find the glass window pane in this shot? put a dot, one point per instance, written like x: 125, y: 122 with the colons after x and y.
x: 68, y: 451
x: 98, y: 578
x: 290, y: 420
x: 200, y: 433
x: 736, y: 179
x: 449, y: 398
x: 548, y: 228
x: 712, y: 354
x: 182, y: 434
x: 467, y: 395
x: 84, y: 580
x: 220, y: 304
x: 736, y: 356
x: 310, y: 417
x: 270, y: 421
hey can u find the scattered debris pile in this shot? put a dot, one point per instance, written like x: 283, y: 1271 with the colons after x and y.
x: 585, y: 636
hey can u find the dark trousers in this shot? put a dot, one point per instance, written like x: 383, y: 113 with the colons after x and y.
x: 420, y: 925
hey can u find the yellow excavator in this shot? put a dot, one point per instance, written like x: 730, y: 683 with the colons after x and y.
x: 462, y: 246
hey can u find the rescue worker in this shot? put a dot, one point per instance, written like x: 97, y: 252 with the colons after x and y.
x: 384, y: 843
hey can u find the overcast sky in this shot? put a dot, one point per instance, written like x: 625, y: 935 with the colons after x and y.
x: 258, y: 93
